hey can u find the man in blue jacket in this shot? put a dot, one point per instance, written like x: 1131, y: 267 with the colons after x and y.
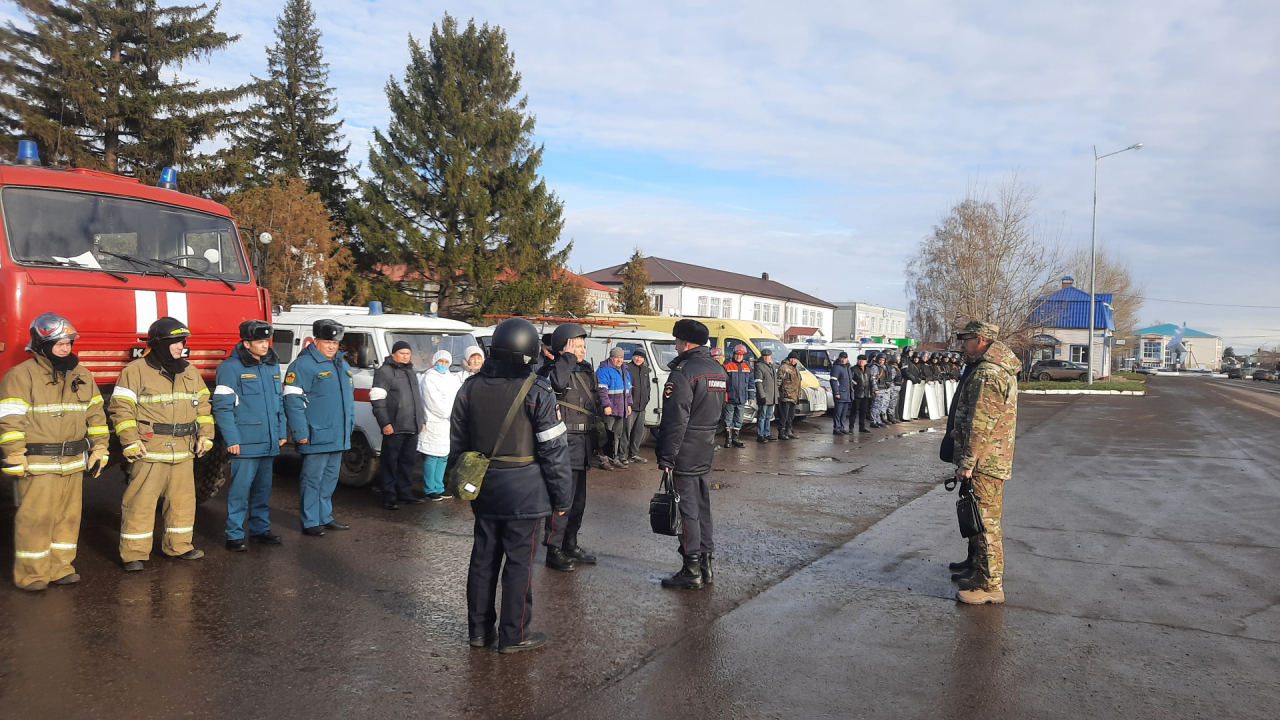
x: 742, y: 390
x: 248, y: 409
x: 842, y: 392
x: 319, y: 400
x: 613, y: 383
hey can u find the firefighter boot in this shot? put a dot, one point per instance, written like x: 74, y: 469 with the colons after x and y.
x: 708, y: 575
x: 689, y: 577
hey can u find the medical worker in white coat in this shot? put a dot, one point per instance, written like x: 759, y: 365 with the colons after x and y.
x: 439, y: 387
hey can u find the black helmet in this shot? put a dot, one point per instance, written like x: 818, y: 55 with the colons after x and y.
x: 562, y: 335
x: 515, y: 341
x: 256, y: 330
x: 327, y: 329
x: 47, y: 329
x: 167, y: 331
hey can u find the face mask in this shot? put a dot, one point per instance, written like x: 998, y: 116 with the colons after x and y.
x: 442, y: 369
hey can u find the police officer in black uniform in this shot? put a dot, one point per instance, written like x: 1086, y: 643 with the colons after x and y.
x: 530, y: 482
x: 574, y: 382
x: 693, y: 400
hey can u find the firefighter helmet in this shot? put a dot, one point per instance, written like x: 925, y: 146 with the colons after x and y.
x: 48, y: 328
x: 167, y: 331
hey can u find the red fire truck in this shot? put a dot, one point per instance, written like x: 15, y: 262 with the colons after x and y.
x: 113, y: 255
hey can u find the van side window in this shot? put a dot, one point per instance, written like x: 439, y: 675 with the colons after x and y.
x: 350, y: 346
x: 282, y: 341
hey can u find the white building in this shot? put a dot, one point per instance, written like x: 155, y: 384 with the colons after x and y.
x: 854, y: 321
x: 683, y: 290
x: 1152, y: 348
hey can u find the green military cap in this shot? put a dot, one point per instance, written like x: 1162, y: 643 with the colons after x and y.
x: 979, y: 328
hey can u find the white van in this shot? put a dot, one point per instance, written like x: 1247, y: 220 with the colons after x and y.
x: 820, y: 356
x: 368, y: 340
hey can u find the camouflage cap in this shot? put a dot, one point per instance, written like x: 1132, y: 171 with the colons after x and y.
x: 979, y: 328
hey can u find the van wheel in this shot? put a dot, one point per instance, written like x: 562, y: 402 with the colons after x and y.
x: 212, y: 470
x: 358, y: 464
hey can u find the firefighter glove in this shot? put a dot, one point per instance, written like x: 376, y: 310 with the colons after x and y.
x: 203, y: 446
x: 135, y: 452
x: 17, y: 459
x: 98, y: 460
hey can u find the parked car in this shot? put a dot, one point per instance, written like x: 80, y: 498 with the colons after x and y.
x: 1147, y: 371
x: 1234, y: 372
x: 1059, y: 370
x: 1266, y: 375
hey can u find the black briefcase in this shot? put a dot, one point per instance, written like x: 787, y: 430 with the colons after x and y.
x: 967, y: 512
x: 664, y: 508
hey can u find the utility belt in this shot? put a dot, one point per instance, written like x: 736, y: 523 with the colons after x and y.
x: 173, y: 430
x: 70, y: 447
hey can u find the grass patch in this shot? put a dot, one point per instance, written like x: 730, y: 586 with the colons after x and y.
x: 1130, y: 376
x: 1076, y: 385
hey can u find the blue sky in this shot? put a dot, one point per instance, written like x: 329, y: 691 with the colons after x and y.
x: 820, y: 142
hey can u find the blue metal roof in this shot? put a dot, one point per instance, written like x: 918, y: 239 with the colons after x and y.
x: 1069, y: 308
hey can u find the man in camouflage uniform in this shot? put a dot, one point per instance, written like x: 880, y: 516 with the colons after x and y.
x: 986, y: 420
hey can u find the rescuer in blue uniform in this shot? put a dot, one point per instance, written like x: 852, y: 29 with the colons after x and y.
x: 249, y: 410
x: 319, y: 400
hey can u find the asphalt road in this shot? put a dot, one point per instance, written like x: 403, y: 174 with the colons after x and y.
x: 1142, y: 574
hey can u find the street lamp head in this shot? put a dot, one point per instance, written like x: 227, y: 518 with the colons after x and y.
x: 265, y: 238
x: 1135, y: 146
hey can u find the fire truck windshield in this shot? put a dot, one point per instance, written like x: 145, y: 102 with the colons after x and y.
x: 119, y: 234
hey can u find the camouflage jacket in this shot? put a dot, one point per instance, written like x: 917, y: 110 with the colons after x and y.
x: 987, y: 414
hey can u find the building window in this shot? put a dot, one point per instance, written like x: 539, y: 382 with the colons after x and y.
x: 817, y: 320
x: 655, y: 303
x: 1041, y: 353
x: 755, y: 312
x: 1079, y: 354
x: 1151, y: 349
x: 726, y: 308
x: 602, y: 306
x: 715, y: 307
x: 775, y: 313
x: 702, y: 305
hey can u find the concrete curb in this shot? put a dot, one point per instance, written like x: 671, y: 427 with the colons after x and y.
x: 1082, y: 392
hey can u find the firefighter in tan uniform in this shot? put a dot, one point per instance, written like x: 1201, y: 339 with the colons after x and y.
x: 51, y: 418
x: 161, y: 411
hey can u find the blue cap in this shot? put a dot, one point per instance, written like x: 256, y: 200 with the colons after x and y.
x: 168, y: 179
x: 28, y: 154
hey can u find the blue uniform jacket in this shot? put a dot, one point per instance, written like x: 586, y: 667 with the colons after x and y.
x: 841, y: 382
x: 247, y: 403
x: 319, y: 400
x: 742, y: 382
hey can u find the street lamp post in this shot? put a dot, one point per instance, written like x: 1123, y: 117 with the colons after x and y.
x: 1093, y: 250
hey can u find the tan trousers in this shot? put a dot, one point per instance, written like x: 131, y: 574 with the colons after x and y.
x: 147, y: 482
x: 46, y: 527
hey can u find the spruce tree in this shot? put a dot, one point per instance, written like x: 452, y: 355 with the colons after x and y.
x: 454, y: 195
x: 290, y: 132
x: 93, y: 83
x: 632, y: 299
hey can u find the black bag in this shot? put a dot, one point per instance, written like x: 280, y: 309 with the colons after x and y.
x: 967, y: 512
x: 664, y: 508
x: 947, y: 450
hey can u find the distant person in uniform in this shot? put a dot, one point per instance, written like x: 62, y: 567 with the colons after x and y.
x: 528, y: 478
x: 742, y: 390
x: 983, y: 425
x: 693, y: 402
x: 841, y: 393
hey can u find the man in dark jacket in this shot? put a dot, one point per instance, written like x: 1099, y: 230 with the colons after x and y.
x: 841, y: 385
x: 742, y: 389
x: 694, y: 399
x: 863, y: 389
x: 641, y: 379
x: 248, y: 408
x: 528, y: 478
x: 399, y: 411
x: 766, y: 379
x: 574, y: 383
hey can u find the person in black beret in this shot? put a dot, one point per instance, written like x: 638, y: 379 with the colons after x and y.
x: 694, y: 398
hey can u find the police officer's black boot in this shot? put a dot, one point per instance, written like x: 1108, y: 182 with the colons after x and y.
x: 557, y: 559
x: 708, y: 575
x: 689, y: 577
x: 576, y: 553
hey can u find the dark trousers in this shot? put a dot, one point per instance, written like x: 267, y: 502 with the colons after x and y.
x: 842, y: 414
x: 695, y: 508
x: 495, y: 541
x: 617, y: 427
x: 562, y: 530
x: 786, y: 413
x: 397, y: 463
x: 635, y: 432
x: 862, y: 408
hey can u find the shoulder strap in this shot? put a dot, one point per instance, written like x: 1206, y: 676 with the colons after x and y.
x: 511, y: 416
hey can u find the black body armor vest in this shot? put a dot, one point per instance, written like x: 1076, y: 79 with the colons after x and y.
x: 491, y: 398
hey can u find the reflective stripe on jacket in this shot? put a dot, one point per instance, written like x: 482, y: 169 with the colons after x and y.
x: 145, y: 397
x: 37, y: 408
x: 248, y: 405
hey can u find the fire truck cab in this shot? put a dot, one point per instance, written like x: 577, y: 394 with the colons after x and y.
x: 112, y: 255
x: 366, y: 343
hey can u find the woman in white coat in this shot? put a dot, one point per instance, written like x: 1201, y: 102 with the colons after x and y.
x: 439, y: 387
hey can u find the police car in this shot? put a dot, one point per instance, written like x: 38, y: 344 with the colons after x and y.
x: 369, y: 336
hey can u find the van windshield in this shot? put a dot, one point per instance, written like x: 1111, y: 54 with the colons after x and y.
x: 780, y: 351
x: 93, y: 231
x: 424, y: 345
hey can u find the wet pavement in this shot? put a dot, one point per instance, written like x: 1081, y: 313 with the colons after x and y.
x: 1142, y: 577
